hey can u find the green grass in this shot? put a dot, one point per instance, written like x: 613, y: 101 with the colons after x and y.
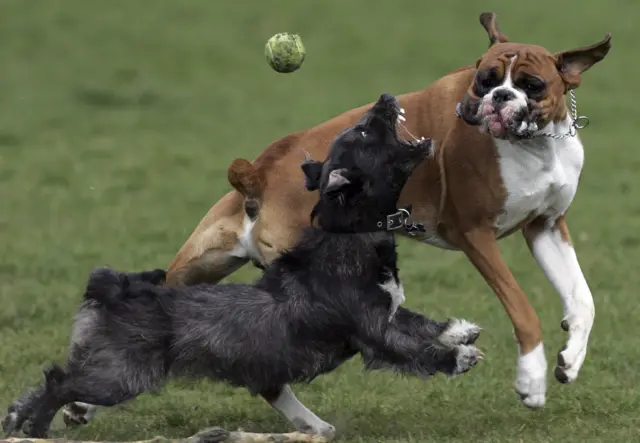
x: 119, y: 119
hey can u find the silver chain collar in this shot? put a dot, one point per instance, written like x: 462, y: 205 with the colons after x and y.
x: 578, y: 122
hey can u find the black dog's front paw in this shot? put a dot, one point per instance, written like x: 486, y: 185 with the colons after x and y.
x: 460, y: 336
x: 14, y: 420
x: 9, y: 424
x: 467, y: 357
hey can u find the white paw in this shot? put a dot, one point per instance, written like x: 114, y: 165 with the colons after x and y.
x: 531, y: 379
x: 459, y: 332
x: 328, y: 432
x: 78, y: 413
x: 569, y: 364
x: 467, y: 357
x: 572, y: 355
x: 322, y: 429
x: 10, y: 423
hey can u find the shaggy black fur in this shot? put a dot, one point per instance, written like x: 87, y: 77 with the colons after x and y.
x: 315, y: 307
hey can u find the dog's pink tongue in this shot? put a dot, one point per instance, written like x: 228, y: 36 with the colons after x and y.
x: 495, y: 125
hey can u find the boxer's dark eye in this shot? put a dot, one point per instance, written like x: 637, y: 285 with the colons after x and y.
x: 486, y: 80
x: 531, y: 85
x: 490, y: 82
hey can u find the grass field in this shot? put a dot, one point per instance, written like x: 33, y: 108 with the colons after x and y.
x: 119, y: 120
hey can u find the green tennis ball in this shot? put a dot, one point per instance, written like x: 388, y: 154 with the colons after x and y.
x: 285, y: 52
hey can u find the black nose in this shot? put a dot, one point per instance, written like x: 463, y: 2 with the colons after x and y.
x: 503, y: 95
x: 387, y: 102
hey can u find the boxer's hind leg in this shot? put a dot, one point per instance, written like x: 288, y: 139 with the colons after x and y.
x: 220, y: 244
x: 550, y: 244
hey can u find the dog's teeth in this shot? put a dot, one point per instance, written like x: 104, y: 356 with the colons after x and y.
x: 401, y: 118
x: 401, y: 110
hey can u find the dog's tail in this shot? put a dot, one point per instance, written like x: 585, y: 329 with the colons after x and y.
x: 106, y: 286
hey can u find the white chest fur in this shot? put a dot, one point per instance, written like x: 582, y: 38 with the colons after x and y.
x: 540, y: 177
x: 396, y: 292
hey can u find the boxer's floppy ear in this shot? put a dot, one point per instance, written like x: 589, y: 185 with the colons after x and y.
x: 574, y: 62
x: 488, y: 21
x: 312, y: 171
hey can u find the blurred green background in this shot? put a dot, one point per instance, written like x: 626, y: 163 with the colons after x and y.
x: 119, y: 119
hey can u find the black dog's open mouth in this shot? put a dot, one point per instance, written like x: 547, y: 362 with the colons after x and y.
x: 388, y: 109
x: 385, y: 118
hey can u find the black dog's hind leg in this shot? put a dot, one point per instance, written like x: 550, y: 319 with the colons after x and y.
x: 284, y: 400
x: 413, y: 344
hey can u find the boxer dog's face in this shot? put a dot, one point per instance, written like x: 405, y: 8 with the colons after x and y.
x: 519, y: 89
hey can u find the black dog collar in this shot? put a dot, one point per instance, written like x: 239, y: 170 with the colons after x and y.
x: 400, y: 219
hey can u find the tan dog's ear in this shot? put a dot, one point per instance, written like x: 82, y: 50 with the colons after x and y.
x: 574, y: 62
x: 488, y: 21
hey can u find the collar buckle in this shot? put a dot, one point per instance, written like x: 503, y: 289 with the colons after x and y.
x: 397, y: 219
x: 402, y: 219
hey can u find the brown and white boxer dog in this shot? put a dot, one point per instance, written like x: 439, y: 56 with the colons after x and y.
x: 497, y: 169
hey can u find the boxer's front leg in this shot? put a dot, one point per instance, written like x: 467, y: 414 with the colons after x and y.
x: 550, y: 244
x: 481, y: 247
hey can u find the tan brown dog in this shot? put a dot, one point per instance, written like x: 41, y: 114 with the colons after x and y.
x: 507, y: 158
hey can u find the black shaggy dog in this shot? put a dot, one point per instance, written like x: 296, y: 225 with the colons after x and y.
x: 331, y: 297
